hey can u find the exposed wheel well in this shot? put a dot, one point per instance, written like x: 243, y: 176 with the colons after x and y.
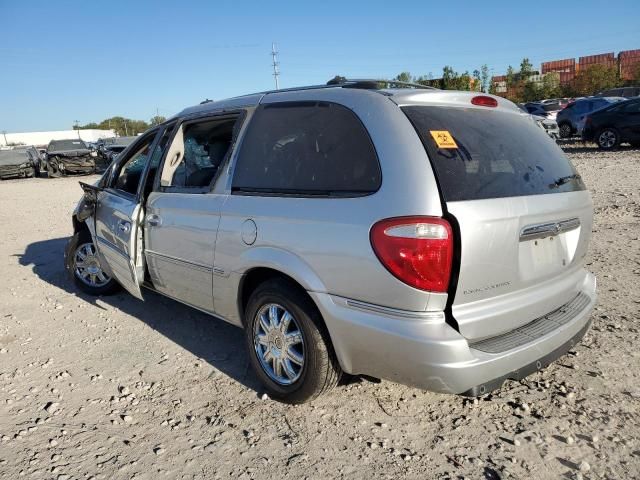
x: 256, y: 276
x: 78, y: 225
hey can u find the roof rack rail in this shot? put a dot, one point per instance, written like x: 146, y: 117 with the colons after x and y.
x: 374, y: 83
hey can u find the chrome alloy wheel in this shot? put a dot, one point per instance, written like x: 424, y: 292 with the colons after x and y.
x: 86, y: 266
x: 279, y: 343
x: 607, y: 139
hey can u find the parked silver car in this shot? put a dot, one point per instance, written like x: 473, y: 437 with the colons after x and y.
x: 434, y: 238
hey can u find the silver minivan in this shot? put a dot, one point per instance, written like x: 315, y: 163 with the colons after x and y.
x: 433, y: 238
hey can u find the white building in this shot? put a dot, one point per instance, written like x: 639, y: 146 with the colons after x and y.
x: 43, y: 138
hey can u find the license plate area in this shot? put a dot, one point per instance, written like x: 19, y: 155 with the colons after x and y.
x: 541, y: 257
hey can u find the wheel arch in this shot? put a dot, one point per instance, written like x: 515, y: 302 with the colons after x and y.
x: 257, y: 275
x: 83, y: 225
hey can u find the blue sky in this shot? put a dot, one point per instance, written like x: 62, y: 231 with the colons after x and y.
x: 62, y: 61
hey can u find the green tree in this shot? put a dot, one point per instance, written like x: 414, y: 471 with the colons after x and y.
x: 511, y: 76
x: 464, y: 81
x: 156, y: 120
x: 485, y: 79
x: 594, y: 79
x: 530, y: 92
x: 428, y: 81
x: 450, y: 79
x: 477, y: 81
x: 551, y: 85
x: 526, y: 69
x: 404, y: 77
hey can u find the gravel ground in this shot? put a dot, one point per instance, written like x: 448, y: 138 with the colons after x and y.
x: 117, y: 388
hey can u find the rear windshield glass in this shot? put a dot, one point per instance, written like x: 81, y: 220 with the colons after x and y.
x: 60, y: 145
x: 482, y: 153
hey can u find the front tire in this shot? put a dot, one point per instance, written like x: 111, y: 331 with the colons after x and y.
x: 565, y: 130
x: 288, y: 343
x: 608, y: 139
x: 83, y: 265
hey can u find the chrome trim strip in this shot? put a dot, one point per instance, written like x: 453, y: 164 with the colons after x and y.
x: 180, y: 261
x: 113, y: 248
x: 391, y: 312
x: 543, y: 230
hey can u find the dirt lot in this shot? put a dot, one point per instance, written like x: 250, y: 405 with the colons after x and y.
x: 118, y: 388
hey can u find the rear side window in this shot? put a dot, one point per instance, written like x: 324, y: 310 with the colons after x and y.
x: 493, y: 154
x: 306, y: 148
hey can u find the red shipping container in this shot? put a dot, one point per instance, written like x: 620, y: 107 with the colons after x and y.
x: 566, y: 65
x: 607, y: 59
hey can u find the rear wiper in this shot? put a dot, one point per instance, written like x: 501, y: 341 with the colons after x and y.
x: 562, y: 180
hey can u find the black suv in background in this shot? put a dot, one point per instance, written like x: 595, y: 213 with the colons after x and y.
x: 613, y: 125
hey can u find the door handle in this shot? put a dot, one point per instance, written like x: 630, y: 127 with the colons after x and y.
x: 154, y: 220
x: 124, y: 226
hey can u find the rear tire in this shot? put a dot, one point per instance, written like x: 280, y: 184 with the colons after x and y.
x: 565, y: 130
x: 84, y: 266
x: 288, y: 343
x: 608, y: 139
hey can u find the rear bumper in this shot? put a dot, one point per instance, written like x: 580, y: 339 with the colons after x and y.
x: 422, y: 350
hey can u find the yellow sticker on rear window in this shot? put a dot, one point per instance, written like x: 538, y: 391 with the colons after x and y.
x: 443, y: 139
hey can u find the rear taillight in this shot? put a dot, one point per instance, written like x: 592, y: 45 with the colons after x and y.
x: 484, y: 101
x: 587, y: 121
x: 416, y: 250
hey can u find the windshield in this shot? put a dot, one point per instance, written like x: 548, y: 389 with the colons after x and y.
x: 60, y: 145
x: 491, y: 154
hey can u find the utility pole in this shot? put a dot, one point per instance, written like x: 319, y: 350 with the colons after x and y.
x: 276, y: 64
x: 126, y: 130
x: 76, y: 124
x: 4, y: 132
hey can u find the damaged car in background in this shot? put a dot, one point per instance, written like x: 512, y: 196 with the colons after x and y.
x: 16, y: 163
x: 112, y: 147
x: 69, y: 157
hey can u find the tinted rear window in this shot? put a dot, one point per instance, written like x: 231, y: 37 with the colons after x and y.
x: 314, y: 148
x: 496, y: 154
